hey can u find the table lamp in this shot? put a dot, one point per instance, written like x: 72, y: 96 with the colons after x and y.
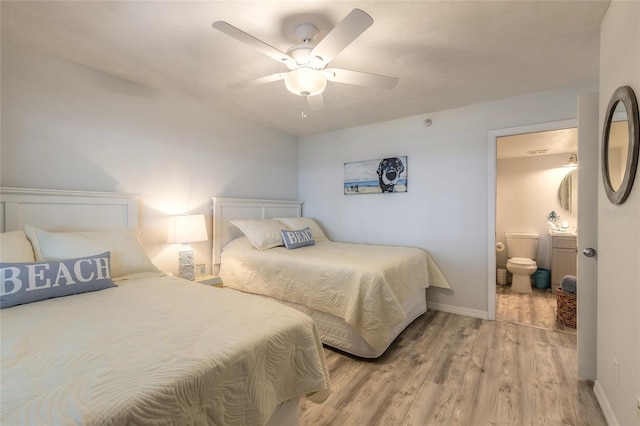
x: 186, y: 229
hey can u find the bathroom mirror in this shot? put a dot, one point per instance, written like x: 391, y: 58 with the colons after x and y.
x: 620, y: 144
x: 568, y: 193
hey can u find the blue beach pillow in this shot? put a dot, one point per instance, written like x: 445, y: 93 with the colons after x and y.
x: 22, y: 283
x: 295, y: 239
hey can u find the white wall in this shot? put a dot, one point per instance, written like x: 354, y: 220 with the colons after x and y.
x: 445, y: 209
x: 526, y: 191
x: 619, y: 234
x: 66, y: 126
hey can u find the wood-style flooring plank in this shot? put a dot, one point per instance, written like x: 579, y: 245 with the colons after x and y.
x: 447, y: 369
x: 537, y: 308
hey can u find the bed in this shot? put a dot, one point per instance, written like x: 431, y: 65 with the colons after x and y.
x: 146, y: 348
x: 360, y: 296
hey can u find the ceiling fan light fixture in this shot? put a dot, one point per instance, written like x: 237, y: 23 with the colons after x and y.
x: 305, y: 81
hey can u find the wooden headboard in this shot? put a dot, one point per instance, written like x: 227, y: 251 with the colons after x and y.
x: 55, y: 210
x: 227, y: 209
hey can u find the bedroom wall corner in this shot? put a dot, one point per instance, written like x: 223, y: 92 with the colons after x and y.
x: 68, y: 126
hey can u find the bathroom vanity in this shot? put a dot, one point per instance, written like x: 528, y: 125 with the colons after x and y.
x: 564, y: 252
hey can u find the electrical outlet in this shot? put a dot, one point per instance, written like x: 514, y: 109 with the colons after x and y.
x: 616, y: 365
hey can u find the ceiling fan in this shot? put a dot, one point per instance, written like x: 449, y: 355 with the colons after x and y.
x: 307, y: 62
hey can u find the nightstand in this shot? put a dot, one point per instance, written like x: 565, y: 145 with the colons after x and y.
x: 211, y: 280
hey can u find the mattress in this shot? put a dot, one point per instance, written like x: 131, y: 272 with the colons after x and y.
x: 364, y: 285
x: 157, y: 351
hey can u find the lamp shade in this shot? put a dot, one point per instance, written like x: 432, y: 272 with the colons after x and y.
x: 187, y: 228
x: 305, y: 81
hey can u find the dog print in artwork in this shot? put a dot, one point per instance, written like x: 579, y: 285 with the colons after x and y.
x: 389, y: 172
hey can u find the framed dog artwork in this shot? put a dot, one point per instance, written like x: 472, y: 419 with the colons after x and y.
x: 376, y: 176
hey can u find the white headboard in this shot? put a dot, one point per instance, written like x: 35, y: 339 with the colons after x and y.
x: 55, y: 210
x: 227, y: 209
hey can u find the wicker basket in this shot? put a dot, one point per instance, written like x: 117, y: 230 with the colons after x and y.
x: 566, y: 313
x: 501, y: 276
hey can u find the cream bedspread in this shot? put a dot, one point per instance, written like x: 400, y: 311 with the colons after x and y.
x: 363, y: 284
x: 156, y: 351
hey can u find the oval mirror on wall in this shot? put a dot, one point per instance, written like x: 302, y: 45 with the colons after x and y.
x: 568, y: 193
x: 620, y: 144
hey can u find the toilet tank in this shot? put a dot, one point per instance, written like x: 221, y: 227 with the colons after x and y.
x: 521, y: 244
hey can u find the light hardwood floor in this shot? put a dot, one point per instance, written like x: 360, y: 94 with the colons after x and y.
x: 447, y: 369
x: 537, y: 309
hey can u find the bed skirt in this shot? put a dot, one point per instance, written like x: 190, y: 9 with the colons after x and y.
x: 335, y: 332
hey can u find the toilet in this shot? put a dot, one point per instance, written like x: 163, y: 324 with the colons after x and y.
x: 522, y: 249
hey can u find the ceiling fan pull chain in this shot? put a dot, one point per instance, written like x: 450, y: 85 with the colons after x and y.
x: 302, y: 102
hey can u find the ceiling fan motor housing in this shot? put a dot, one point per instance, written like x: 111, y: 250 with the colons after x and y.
x: 301, y: 52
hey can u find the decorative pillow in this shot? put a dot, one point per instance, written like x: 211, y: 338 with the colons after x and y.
x: 295, y: 239
x: 128, y: 258
x: 22, y: 283
x: 303, y: 222
x: 263, y: 233
x: 15, y: 247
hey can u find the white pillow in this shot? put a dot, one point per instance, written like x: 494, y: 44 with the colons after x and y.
x: 293, y: 223
x: 128, y: 258
x: 263, y: 233
x: 15, y: 247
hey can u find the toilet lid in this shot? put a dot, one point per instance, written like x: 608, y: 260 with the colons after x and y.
x: 522, y: 261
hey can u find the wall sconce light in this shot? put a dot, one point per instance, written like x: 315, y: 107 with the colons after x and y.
x: 186, y: 229
x: 573, y: 161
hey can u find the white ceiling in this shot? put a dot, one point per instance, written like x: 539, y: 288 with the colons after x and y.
x: 446, y: 54
x: 539, y: 143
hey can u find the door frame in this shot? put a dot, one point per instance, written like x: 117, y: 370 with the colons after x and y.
x: 493, y: 161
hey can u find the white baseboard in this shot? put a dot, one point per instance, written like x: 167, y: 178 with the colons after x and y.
x: 604, y: 405
x: 457, y: 310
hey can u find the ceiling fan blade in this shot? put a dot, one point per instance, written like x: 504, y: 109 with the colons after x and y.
x: 258, y: 81
x: 316, y: 102
x: 342, y: 35
x: 250, y: 40
x: 360, y: 78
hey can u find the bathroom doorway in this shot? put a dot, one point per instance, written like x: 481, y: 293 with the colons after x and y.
x: 588, y: 155
x: 493, y: 137
x: 536, y: 194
